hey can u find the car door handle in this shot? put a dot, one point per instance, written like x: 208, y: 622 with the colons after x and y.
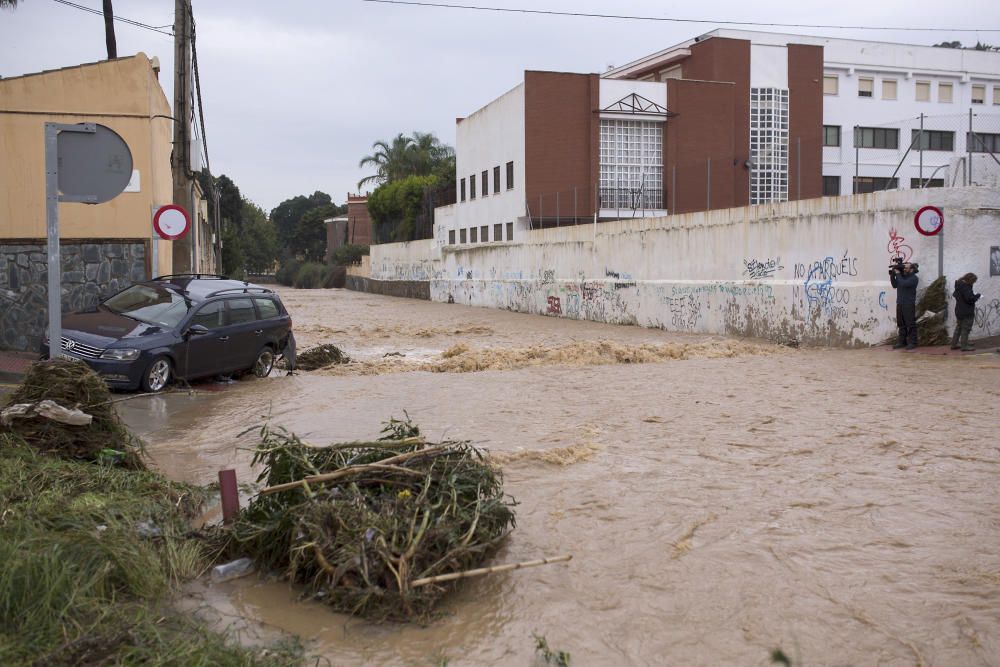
x: 223, y: 338
x: 259, y: 331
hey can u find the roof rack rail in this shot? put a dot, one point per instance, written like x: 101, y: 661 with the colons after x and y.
x: 246, y: 289
x: 196, y: 276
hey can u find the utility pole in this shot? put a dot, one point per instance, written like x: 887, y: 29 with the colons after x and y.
x: 184, y: 260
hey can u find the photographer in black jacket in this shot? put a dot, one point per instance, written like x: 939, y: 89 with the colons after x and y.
x: 903, y: 276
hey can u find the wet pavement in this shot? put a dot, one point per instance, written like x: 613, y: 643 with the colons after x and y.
x: 720, y: 498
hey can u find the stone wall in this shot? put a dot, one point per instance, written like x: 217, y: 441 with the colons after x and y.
x: 409, y: 289
x: 90, y: 272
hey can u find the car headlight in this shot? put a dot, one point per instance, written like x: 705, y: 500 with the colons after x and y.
x: 120, y: 354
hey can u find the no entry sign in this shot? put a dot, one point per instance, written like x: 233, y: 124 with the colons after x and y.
x: 171, y: 222
x: 929, y: 220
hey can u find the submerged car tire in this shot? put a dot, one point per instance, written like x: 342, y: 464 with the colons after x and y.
x: 157, y: 375
x: 265, y: 362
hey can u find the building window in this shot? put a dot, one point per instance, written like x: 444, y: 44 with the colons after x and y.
x: 888, y: 89
x: 472, y: 187
x: 496, y: 180
x: 830, y: 82
x: 865, y: 184
x: 462, y: 189
x: 484, y: 233
x: 944, y: 93
x: 498, y: 232
x: 510, y: 175
x: 876, y: 137
x: 486, y: 183
x: 473, y: 235
x: 996, y: 94
x: 831, y: 186
x: 451, y: 237
x: 981, y: 142
x: 631, y: 164
x: 461, y: 236
x: 831, y: 135
x: 923, y: 91
x: 510, y: 231
x: 768, y: 145
x: 933, y: 140
x: 916, y: 183
x: 979, y: 94
x: 866, y: 87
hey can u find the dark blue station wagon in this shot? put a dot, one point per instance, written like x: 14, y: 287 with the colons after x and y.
x: 184, y: 326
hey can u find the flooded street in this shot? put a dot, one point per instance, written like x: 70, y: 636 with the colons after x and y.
x: 720, y: 498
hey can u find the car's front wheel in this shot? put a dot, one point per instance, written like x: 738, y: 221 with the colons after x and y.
x: 265, y: 362
x: 157, y: 375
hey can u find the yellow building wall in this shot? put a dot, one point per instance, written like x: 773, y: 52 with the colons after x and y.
x: 123, y: 94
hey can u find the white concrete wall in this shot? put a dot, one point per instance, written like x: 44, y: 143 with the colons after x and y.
x: 813, y: 270
x: 768, y: 66
x: 490, y: 137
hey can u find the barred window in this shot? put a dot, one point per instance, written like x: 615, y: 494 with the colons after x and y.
x: 981, y: 142
x: 510, y: 231
x: 866, y: 87
x: 831, y: 186
x: 462, y: 189
x: 486, y: 183
x: 510, y: 175
x: 498, y: 232
x: 472, y: 187
x: 631, y: 158
x: 496, y: 179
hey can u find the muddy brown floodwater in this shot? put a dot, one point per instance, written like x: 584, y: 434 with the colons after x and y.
x: 721, y: 498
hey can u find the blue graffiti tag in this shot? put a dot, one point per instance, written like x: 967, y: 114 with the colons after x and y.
x: 819, y: 291
x: 881, y: 301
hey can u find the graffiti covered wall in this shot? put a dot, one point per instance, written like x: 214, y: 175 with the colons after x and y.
x: 813, y: 271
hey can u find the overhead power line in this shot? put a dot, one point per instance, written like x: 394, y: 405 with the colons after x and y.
x: 197, y: 87
x: 627, y: 17
x: 98, y: 12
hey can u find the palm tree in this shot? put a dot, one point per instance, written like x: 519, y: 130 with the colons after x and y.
x: 392, y: 160
x: 419, y: 154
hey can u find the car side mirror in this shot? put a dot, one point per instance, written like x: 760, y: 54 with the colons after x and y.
x: 197, y: 330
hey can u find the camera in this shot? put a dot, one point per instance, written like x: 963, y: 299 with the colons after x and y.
x: 897, y: 263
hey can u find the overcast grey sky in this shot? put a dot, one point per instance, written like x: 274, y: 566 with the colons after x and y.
x: 295, y: 92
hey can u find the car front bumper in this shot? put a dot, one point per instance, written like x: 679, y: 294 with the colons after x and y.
x: 118, y: 374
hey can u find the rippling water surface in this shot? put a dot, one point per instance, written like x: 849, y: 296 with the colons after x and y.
x: 720, y: 498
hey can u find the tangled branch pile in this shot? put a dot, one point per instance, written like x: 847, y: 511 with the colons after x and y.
x: 320, y: 357
x: 372, y: 517
x: 931, y: 310
x: 73, y: 384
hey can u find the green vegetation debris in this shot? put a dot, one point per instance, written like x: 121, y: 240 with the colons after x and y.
x: 388, y: 512
x: 547, y: 656
x: 72, y: 384
x: 321, y: 356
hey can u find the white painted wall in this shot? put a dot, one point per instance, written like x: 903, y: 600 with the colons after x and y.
x: 812, y: 270
x: 490, y: 137
x: 769, y: 66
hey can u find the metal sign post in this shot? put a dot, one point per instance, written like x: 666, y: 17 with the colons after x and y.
x: 87, y: 163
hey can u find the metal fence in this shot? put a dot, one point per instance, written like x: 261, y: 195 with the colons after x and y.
x: 920, y: 152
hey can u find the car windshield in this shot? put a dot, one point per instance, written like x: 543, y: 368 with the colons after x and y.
x: 149, y: 304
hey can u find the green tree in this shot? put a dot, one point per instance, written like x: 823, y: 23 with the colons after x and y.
x: 394, y: 207
x: 309, y: 240
x: 259, y: 240
x: 286, y: 216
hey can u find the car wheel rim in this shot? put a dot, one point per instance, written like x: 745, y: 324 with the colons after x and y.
x: 159, y: 373
x: 265, y: 360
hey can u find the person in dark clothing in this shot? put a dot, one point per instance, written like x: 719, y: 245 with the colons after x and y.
x: 965, y: 311
x: 903, y: 277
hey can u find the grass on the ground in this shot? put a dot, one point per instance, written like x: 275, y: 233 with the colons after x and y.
x: 90, y: 555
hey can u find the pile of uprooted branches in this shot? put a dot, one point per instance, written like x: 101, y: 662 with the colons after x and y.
x: 321, y: 356
x: 49, y: 410
x: 359, y: 524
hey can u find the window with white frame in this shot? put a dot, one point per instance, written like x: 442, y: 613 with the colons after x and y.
x: 923, y: 91
x: 866, y: 87
x: 830, y: 86
x: 888, y: 89
x: 944, y: 93
x: 631, y: 164
x: 768, y: 145
x: 978, y: 94
x: 996, y: 94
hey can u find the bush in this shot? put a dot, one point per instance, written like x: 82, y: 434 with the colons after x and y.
x: 335, y: 276
x: 286, y: 273
x: 309, y: 276
x: 348, y: 254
